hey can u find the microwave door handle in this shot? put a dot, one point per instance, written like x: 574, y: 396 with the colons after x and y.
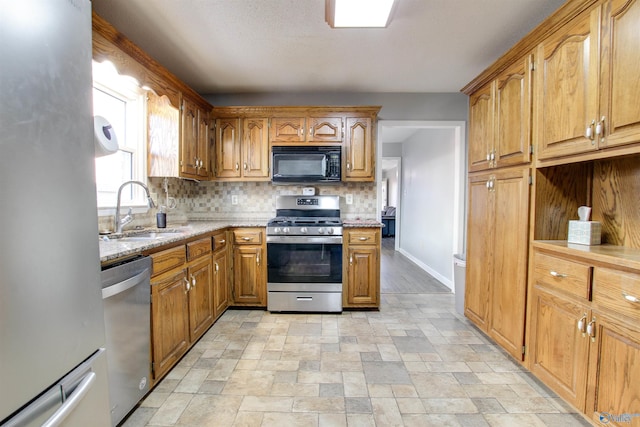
x: 325, y: 166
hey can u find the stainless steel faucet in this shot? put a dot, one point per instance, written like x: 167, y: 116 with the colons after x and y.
x: 118, y: 223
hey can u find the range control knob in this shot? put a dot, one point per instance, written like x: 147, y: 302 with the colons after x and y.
x: 277, y: 230
x: 285, y: 230
x: 330, y: 230
x: 303, y: 230
x: 321, y: 230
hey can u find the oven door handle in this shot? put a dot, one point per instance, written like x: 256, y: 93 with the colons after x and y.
x: 331, y: 240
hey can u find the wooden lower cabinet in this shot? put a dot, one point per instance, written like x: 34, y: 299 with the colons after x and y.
x: 558, y: 349
x: 249, y: 267
x: 201, y: 314
x: 497, y: 250
x: 614, y: 391
x: 169, y: 320
x: 361, y: 268
x: 587, y: 348
x: 221, y: 266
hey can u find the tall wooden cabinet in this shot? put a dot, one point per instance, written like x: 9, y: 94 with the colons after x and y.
x: 194, y: 141
x: 582, y: 302
x: 497, y: 249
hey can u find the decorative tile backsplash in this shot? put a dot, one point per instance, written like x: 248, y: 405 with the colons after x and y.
x: 208, y: 200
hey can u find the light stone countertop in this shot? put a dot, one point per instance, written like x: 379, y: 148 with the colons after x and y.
x: 114, y: 248
x: 366, y: 223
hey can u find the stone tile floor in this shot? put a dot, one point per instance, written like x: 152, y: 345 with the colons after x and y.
x: 416, y: 362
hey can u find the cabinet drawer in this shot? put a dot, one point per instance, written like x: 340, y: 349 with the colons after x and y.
x: 618, y: 291
x: 198, y: 248
x: 168, y: 259
x: 363, y: 237
x: 563, y: 274
x: 247, y: 237
x: 219, y: 241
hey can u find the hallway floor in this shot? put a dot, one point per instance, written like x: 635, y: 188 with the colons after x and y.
x: 416, y: 362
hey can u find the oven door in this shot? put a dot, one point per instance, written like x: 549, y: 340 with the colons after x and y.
x: 309, y: 262
x: 304, y: 273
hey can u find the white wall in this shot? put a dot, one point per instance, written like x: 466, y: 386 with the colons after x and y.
x: 428, y: 201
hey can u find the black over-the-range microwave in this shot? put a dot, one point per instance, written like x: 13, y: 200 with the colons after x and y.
x: 291, y: 165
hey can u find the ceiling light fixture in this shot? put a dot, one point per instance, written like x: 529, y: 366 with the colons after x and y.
x: 358, y: 13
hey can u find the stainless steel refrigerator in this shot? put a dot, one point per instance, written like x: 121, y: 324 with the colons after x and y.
x: 52, y: 361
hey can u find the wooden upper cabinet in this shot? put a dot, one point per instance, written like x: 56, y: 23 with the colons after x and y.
x: 255, y: 148
x: 313, y: 129
x: 587, y: 83
x: 358, y: 150
x: 324, y: 129
x: 242, y: 148
x: 287, y: 129
x: 481, y: 127
x: 194, y: 141
x: 227, y: 152
x: 620, y: 84
x: 189, y: 139
x: 500, y: 120
x: 204, y: 142
x: 566, y: 89
x: 512, y: 143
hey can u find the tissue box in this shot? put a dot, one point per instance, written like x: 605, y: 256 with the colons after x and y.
x: 585, y: 232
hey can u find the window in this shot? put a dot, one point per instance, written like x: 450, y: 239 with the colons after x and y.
x: 120, y: 100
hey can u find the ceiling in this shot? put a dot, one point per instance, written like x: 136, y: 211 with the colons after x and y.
x: 259, y: 46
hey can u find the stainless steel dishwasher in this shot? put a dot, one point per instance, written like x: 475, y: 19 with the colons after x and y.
x: 126, y: 293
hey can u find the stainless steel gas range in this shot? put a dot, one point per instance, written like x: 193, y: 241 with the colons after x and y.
x: 304, y: 255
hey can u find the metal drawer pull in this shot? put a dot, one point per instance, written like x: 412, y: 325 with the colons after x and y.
x: 222, y: 242
x: 364, y: 238
x: 558, y: 275
x: 591, y: 329
x: 630, y: 298
x: 246, y: 239
x: 304, y: 298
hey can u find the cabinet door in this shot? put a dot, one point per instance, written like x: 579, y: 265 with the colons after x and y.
x: 220, y: 282
x: 255, y: 148
x: 324, y: 129
x: 249, y: 287
x: 614, y: 393
x: 620, y: 85
x: 481, y: 111
x: 189, y: 139
x: 359, y: 150
x: 512, y: 143
x: 200, y: 297
x: 287, y: 129
x: 203, y: 169
x: 566, y: 89
x: 227, y: 144
x: 479, y: 250
x: 363, y: 276
x: 558, y: 350
x: 169, y: 321
x: 510, y: 250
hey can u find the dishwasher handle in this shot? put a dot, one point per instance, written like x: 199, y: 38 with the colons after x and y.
x: 126, y: 284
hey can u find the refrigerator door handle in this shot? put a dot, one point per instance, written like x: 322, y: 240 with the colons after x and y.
x: 72, y: 401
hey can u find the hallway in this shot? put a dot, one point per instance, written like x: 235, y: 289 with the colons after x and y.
x: 416, y: 362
